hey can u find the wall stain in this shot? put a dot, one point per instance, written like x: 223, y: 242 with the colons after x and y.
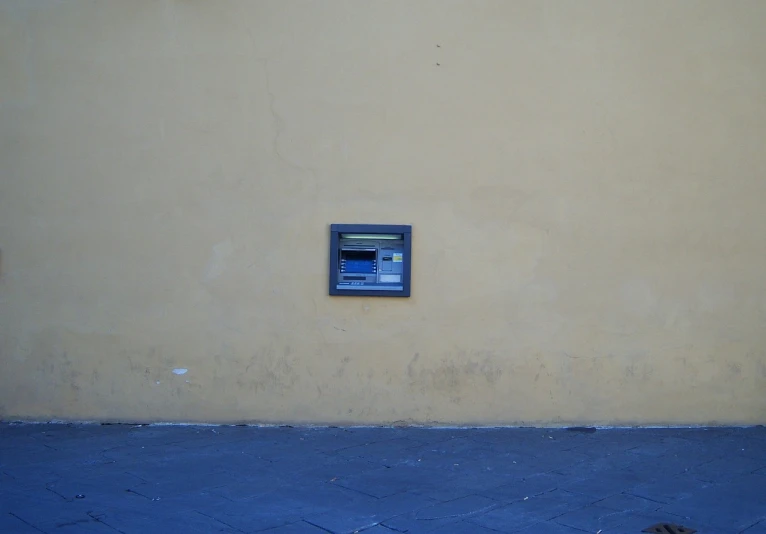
x: 414, y: 360
x: 269, y: 372
x: 342, y: 368
x: 456, y: 376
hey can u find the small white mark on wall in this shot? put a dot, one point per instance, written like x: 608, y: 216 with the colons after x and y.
x: 216, y: 265
x: 180, y: 371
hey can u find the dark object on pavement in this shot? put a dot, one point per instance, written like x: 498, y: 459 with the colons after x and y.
x: 669, y: 528
x: 583, y: 429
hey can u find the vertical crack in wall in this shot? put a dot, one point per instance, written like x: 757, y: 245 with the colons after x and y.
x: 278, y: 130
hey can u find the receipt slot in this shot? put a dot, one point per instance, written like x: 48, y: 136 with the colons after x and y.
x: 370, y: 260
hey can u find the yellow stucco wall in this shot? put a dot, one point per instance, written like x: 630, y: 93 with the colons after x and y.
x: 585, y: 182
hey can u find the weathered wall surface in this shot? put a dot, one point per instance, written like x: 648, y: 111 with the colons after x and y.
x: 585, y: 182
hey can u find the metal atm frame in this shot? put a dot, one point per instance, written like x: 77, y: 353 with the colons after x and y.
x: 363, y: 255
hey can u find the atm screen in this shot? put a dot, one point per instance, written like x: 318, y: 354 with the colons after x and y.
x: 358, y: 261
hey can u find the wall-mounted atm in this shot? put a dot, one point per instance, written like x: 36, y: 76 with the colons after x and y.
x: 370, y: 260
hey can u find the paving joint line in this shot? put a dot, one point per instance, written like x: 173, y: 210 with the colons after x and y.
x: 26, y: 522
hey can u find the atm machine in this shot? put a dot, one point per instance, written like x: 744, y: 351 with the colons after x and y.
x: 370, y: 260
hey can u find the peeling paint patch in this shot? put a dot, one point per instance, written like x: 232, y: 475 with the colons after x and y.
x: 180, y: 371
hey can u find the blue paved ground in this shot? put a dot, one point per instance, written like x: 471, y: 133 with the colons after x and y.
x: 188, y: 479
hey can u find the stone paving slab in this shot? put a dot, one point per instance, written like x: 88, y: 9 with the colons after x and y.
x: 68, y: 478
